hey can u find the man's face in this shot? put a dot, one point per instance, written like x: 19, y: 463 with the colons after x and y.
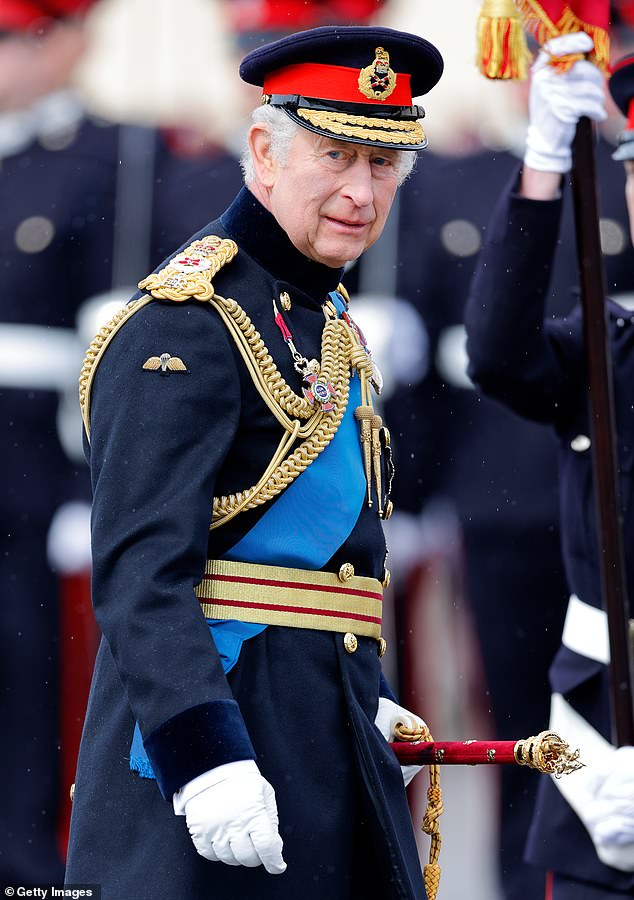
x: 332, y: 197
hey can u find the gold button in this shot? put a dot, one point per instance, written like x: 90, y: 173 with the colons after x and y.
x: 387, y: 577
x: 346, y: 572
x: 382, y: 647
x: 285, y: 300
x: 72, y: 792
x: 350, y: 642
x: 389, y: 509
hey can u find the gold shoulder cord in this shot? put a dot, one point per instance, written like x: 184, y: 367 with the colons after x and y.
x: 189, y: 275
x: 96, y: 350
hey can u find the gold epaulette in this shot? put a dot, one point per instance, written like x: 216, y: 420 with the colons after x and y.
x: 188, y: 275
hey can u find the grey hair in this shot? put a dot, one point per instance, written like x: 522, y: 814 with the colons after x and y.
x: 283, y: 129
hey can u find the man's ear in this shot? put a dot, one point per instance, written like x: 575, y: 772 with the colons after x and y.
x: 259, y: 139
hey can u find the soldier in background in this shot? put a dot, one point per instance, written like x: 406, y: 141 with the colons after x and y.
x: 56, y: 249
x: 454, y: 447
x: 534, y: 363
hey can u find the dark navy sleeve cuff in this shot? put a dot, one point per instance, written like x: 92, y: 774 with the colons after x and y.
x: 195, y: 741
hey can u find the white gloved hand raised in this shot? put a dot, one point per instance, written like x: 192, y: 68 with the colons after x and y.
x: 609, y: 814
x: 558, y: 100
x: 232, y: 816
x: 389, y: 715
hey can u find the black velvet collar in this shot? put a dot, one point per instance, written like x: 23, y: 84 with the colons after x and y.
x: 256, y: 231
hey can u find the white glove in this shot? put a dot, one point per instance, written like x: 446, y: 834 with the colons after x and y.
x: 232, y: 816
x: 558, y: 100
x: 609, y: 814
x: 390, y: 715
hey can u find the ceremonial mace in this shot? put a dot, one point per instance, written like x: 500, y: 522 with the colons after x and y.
x: 545, y: 752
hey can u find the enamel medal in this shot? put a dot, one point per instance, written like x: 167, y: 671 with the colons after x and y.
x: 317, y: 389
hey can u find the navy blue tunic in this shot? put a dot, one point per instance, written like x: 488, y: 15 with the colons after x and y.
x: 161, y: 449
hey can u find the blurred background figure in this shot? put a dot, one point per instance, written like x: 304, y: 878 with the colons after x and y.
x: 55, y: 250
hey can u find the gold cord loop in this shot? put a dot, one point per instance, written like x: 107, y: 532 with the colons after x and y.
x: 433, y: 812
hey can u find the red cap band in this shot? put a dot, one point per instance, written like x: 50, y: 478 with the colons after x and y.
x: 630, y: 115
x: 326, y: 82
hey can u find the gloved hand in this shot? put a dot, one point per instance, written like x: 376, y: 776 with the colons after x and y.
x: 389, y: 715
x: 609, y: 814
x: 558, y: 100
x: 232, y: 816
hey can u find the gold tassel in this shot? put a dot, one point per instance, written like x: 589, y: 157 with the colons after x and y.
x: 431, y: 874
x: 502, y: 49
x: 365, y: 414
x: 377, y: 424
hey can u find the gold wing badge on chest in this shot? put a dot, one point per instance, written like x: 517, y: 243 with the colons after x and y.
x: 165, y: 363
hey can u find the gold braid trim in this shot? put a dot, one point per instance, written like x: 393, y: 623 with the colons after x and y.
x: 95, y: 351
x: 261, y: 365
x: 340, y: 352
x: 363, y: 127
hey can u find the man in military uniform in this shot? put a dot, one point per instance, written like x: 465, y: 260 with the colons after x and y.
x: 240, y: 476
x: 582, y: 831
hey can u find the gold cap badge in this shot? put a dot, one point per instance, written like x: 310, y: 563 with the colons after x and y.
x: 377, y: 81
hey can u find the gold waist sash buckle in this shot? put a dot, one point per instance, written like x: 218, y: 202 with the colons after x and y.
x: 295, y: 598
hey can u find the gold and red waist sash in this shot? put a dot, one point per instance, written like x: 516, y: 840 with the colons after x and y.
x: 295, y: 598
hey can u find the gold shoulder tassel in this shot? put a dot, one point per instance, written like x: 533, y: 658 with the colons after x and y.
x: 369, y: 422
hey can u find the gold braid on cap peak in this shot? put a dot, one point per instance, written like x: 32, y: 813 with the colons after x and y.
x: 346, y: 125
